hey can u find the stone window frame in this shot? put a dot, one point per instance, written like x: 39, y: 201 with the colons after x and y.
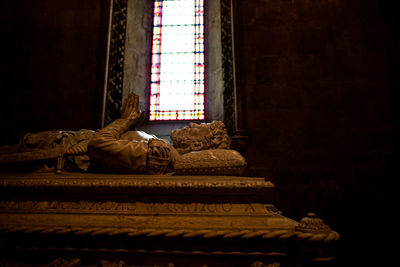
x: 127, y: 69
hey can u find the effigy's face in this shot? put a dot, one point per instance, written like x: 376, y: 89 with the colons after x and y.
x: 197, y: 137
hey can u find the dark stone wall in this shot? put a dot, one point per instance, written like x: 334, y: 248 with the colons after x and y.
x: 49, y: 65
x: 320, y: 82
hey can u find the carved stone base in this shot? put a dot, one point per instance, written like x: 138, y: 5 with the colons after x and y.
x: 145, y: 220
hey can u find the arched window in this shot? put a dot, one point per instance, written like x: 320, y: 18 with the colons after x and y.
x: 177, y: 76
x: 130, y: 63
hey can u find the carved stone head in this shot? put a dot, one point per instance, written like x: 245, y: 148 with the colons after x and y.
x: 202, y: 136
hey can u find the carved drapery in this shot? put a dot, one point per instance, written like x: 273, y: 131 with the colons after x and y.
x: 113, y: 101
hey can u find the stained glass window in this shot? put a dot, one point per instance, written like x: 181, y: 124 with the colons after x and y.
x: 177, y: 63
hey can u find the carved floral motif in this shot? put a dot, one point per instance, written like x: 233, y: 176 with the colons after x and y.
x: 228, y: 65
x: 116, y: 61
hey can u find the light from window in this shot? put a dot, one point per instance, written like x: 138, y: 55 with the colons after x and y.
x: 177, y: 64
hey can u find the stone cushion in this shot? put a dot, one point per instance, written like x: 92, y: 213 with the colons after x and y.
x: 211, y: 162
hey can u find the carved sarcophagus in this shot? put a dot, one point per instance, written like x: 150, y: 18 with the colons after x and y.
x: 76, y: 219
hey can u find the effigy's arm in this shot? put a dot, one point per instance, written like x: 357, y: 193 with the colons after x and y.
x: 116, y: 154
x: 130, y: 156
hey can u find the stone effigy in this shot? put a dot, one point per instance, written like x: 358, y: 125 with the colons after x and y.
x: 201, y: 217
x: 42, y: 151
x: 197, y: 149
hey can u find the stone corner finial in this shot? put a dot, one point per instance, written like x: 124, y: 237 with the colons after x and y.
x: 312, y: 224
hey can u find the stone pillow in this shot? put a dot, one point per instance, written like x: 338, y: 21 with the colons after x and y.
x: 210, y: 162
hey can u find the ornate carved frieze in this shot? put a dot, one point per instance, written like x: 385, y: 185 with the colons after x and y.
x: 130, y: 208
x: 227, y: 66
x: 58, y: 213
x: 140, y: 184
x: 113, y: 101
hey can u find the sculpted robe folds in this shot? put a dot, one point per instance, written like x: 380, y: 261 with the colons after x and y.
x: 108, y: 149
x: 117, y: 150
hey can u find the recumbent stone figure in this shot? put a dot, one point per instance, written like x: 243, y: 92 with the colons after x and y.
x: 197, y: 148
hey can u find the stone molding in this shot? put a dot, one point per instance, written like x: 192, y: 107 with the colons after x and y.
x: 76, y: 262
x: 85, y: 207
x: 146, y: 214
x: 113, y: 183
x: 176, y: 233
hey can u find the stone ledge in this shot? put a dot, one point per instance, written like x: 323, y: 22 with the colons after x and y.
x: 134, y: 184
x: 181, y: 233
